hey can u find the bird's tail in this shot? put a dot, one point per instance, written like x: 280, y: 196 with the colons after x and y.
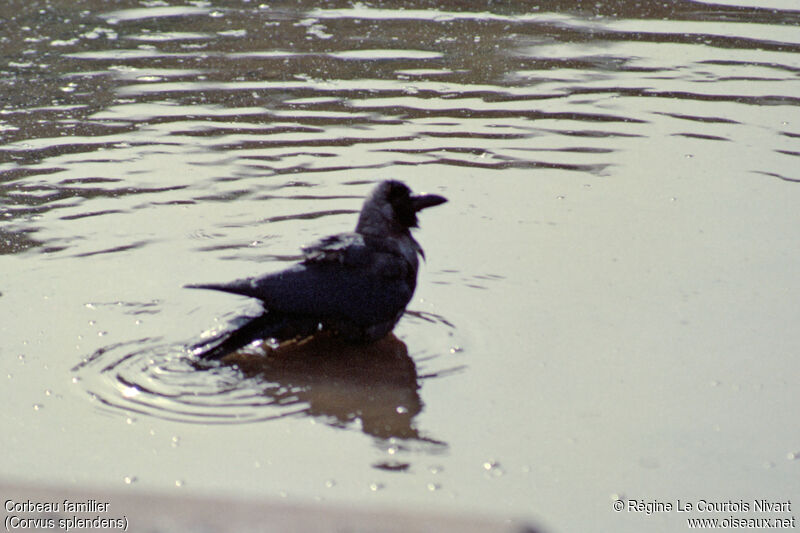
x: 264, y: 326
x: 242, y: 287
x: 256, y: 328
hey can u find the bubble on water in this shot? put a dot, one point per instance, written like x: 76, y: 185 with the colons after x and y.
x: 179, y: 483
x: 37, y: 407
x: 493, y: 468
x: 793, y: 456
x: 130, y: 480
x: 435, y: 469
x: 330, y: 483
x: 401, y: 410
x: 375, y: 486
x: 433, y: 486
x: 175, y: 441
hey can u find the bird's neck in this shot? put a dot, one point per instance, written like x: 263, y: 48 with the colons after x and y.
x: 374, y: 223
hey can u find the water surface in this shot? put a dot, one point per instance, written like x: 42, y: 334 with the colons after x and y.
x: 609, y: 303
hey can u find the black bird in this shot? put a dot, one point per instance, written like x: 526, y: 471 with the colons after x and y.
x: 355, y: 285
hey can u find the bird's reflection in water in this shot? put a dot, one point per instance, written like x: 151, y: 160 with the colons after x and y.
x: 375, y: 383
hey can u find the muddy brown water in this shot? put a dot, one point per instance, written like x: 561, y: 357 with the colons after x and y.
x: 609, y: 305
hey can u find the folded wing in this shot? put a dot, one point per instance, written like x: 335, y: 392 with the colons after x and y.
x: 344, y: 277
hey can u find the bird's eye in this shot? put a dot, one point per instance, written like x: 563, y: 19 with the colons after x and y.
x: 399, y: 193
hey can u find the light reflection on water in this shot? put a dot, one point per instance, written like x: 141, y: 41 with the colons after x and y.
x: 149, y: 145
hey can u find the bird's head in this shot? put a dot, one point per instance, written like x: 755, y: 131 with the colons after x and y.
x: 391, y: 209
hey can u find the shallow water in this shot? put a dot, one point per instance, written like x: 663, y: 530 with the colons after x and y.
x: 609, y: 303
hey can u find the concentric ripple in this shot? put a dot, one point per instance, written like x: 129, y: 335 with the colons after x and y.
x: 377, y: 384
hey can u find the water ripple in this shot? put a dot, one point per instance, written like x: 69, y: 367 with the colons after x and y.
x: 376, y: 385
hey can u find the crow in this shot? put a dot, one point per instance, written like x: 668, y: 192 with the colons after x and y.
x: 354, y: 285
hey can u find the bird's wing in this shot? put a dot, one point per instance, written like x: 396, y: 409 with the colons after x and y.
x: 344, y: 249
x: 346, y: 276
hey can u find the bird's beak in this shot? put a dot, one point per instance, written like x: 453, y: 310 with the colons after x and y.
x: 421, y: 201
